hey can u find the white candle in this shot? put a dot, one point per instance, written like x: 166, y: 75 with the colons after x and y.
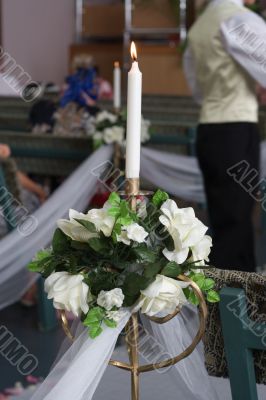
x: 133, y: 117
x: 117, y: 86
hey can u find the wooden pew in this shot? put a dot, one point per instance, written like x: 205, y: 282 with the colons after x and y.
x: 241, y: 336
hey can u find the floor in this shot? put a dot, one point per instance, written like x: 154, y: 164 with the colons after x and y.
x: 21, y: 322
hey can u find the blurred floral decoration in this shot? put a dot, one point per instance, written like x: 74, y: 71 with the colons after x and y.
x: 104, y: 128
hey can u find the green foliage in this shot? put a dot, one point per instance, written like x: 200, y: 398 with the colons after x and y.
x: 41, y: 258
x: 132, y: 286
x: 212, y: 296
x: 101, y: 279
x: 94, y: 319
x: 114, y: 199
x: 145, y: 254
x: 107, y: 263
x: 100, y: 245
x: 206, y: 285
x: 87, y: 224
x: 172, y: 270
x: 159, y: 198
x: 110, y: 323
x: 60, y: 242
x: 151, y: 270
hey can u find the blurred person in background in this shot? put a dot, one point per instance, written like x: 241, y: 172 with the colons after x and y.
x: 223, y: 61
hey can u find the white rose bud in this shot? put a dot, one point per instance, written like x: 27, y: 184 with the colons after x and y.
x: 110, y: 299
x: 133, y: 232
x: 68, y: 292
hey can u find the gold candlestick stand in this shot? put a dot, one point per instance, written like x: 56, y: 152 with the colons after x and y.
x: 132, y: 328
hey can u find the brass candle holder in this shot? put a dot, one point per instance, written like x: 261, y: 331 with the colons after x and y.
x: 132, y: 327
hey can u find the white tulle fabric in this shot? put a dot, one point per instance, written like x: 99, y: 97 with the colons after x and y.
x: 16, y: 251
x: 176, y: 174
x: 190, y: 374
x: 77, y: 374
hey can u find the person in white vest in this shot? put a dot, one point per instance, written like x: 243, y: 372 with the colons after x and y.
x: 224, y: 61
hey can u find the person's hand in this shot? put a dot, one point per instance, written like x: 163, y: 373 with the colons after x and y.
x: 4, y: 151
x: 41, y: 194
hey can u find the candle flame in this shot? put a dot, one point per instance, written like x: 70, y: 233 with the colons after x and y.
x: 116, y: 64
x: 133, y: 51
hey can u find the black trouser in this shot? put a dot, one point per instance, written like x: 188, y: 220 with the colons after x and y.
x: 219, y: 147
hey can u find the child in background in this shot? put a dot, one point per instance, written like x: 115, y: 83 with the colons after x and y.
x: 24, y: 180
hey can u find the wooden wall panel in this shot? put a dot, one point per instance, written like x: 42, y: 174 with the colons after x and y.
x: 103, y: 20
x: 161, y: 65
x: 155, y: 14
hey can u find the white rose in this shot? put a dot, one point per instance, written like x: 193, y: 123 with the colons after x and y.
x: 105, y: 116
x: 110, y: 299
x: 133, y: 232
x: 163, y: 295
x: 101, y: 219
x: 184, y: 227
x: 123, y: 238
x: 114, y: 134
x: 202, y: 250
x: 68, y: 292
x: 74, y: 229
x: 98, y: 136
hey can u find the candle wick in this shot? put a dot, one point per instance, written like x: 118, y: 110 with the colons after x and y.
x: 135, y: 58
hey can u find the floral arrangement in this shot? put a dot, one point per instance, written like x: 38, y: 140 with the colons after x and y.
x: 107, y: 127
x: 112, y: 258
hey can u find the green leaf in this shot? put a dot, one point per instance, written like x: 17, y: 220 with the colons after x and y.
x: 35, y: 265
x: 87, y: 224
x: 117, y: 229
x: 159, y: 198
x: 192, y: 298
x: 110, y: 323
x: 172, y: 269
x: 60, y: 242
x: 125, y: 220
x: 208, y: 284
x: 114, y: 211
x: 94, y: 316
x: 199, y: 279
x: 124, y: 209
x: 114, y: 199
x: 145, y: 254
x: 95, y: 331
x: 134, y: 283
x: 79, y: 245
x: 151, y: 270
x: 212, y: 296
x: 99, y: 245
x: 130, y: 300
x: 187, y: 291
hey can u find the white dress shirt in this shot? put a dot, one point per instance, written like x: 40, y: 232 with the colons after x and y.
x: 244, y: 38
